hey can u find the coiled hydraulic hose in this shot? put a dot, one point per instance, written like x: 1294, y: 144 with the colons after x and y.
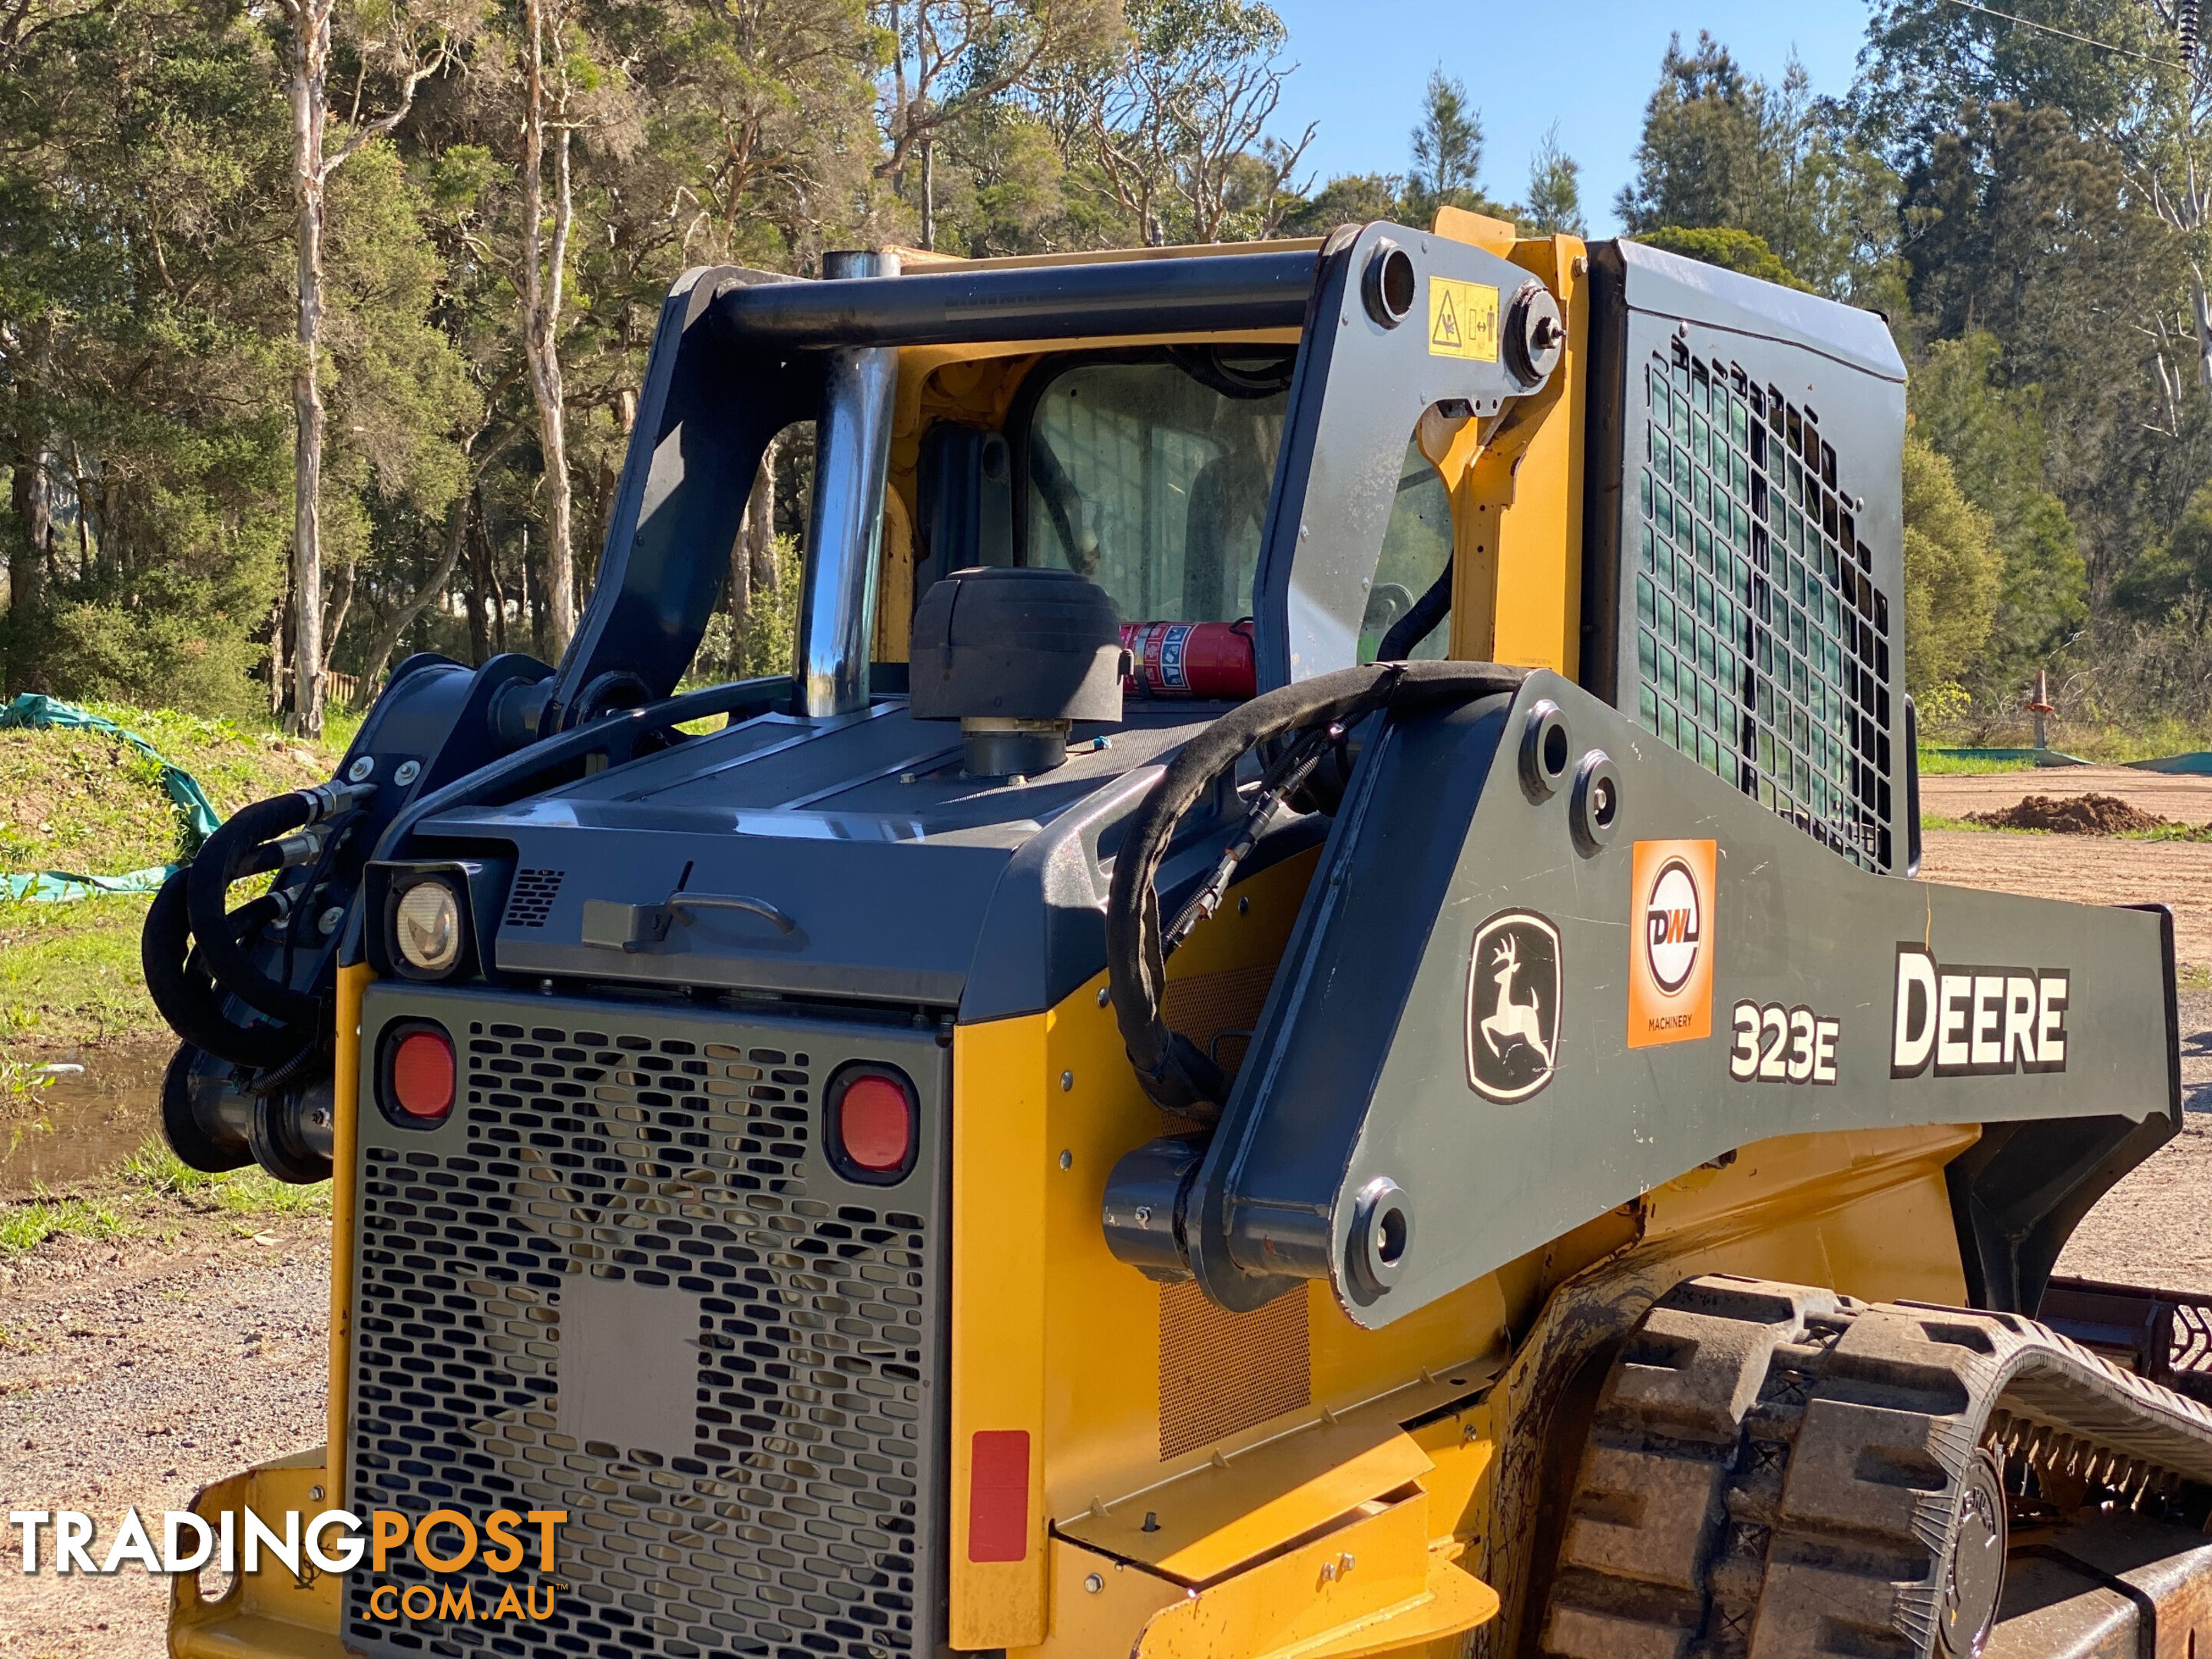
x: 188, y: 998
x: 248, y: 844
x: 196, y: 951
x: 232, y: 853
x: 1314, y: 715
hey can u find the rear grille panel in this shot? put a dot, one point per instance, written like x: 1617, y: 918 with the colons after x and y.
x: 749, y: 1432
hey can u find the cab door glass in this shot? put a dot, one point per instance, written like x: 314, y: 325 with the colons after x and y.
x: 1417, y: 547
x: 1152, y: 478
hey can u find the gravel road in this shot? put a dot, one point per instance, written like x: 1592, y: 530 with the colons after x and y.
x: 136, y: 1371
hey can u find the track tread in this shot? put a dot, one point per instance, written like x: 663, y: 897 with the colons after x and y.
x: 1771, y: 1468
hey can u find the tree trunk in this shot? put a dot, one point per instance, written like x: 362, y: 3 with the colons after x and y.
x: 543, y: 270
x: 533, y: 600
x: 760, y: 524
x: 81, y: 489
x: 280, y: 631
x: 479, y: 591
x: 310, y: 59
x: 333, y: 629
x: 2200, y: 311
x: 498, y: 582
x: 741, y: 571
x: 929, y: 193
x: 32, y: 500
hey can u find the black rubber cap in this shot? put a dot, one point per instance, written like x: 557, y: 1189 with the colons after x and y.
x: 1010, y: 643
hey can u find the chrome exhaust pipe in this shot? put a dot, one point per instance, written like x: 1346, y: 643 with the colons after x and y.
x: 845, y: 528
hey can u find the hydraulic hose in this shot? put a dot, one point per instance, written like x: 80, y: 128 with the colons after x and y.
x: 1175, y: 1072
x: 188, y: 998
x: 1417, y: 624
x: 241, y: 847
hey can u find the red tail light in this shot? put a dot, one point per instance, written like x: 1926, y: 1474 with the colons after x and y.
x: 873, y: 1125
x: 421, y: 1074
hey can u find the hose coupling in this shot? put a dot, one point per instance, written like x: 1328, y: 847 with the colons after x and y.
x: 301, y: 846
x: 333, y: 799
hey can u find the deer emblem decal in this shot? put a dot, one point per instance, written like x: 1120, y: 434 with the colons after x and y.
x: 1513, y: 1005
x: 1513, y: 1019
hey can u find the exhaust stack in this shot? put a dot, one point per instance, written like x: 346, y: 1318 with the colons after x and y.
x: 845, y: 529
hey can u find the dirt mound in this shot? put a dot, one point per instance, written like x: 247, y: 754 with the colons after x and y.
x: 2072, y: 815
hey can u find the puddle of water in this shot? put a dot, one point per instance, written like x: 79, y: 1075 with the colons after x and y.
x: 83, y: 1124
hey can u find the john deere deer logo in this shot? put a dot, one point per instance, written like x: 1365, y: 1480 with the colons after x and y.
x: 1512, y: 1006
x: 1513, y: 1021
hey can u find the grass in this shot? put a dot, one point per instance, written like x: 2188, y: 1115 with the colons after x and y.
x: 82, y: 802
x: 1939, y: 821
x: 155, y: 1173
x: 2172, y: 832
x: 25, y: 1226
x: 1935, y: 764
x: 2192, y: 832
x: 69, y: 974
x: 2104, y: 745
x: 151, y: 1192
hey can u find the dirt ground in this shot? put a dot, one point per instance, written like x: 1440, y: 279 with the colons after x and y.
x: 2179, y: 799
x: 2155, y: 1227
x: 136, y: 1371
x: 2087, y: 869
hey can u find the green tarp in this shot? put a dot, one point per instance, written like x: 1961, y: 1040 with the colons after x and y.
x: 33, y: 712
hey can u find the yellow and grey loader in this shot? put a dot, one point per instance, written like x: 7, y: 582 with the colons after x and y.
x: 1303, y: 1032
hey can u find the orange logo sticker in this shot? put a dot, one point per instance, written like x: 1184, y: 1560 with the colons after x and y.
x: 1670, y: 950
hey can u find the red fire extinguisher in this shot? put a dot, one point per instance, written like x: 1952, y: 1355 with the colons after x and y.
x: 1211, y: 662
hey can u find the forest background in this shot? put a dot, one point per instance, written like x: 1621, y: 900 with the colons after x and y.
x: 321, y: 321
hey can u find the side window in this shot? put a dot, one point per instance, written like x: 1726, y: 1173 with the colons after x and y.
x: 1153, y: 482
x: 754, y: 627
x: 1416, y: 550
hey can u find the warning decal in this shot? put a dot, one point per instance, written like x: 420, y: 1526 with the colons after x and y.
x: 1463, y: 319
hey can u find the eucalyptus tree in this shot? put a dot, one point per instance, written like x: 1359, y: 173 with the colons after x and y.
x: 396, y: 46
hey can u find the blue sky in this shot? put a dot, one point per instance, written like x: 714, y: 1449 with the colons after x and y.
x: 1588, y: 65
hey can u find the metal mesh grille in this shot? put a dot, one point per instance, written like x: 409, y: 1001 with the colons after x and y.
x: 792, y: 1528
x: 532, y: 900
x: 1221, y: 1372
x: 1762, y: 641
x: 1219, y: 1011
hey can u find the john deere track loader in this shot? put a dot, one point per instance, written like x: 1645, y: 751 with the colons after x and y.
x: 1303, y: 1031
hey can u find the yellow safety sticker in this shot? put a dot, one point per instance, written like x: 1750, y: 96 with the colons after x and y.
x: 1463, y: 319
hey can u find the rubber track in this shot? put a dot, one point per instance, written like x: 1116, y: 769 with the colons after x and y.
x: 1772, y: 1469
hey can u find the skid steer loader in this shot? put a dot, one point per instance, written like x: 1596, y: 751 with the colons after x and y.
x: 1303, y: 1032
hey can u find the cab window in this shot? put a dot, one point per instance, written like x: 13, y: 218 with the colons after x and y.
x: 1416, y: 551
x: 1151, y: 478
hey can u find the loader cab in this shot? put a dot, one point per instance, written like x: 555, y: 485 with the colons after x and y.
x: 1184, y: 429
x: 1149, y: 471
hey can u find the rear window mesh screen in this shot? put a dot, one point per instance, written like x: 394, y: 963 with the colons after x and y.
x: 1762, y: 643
